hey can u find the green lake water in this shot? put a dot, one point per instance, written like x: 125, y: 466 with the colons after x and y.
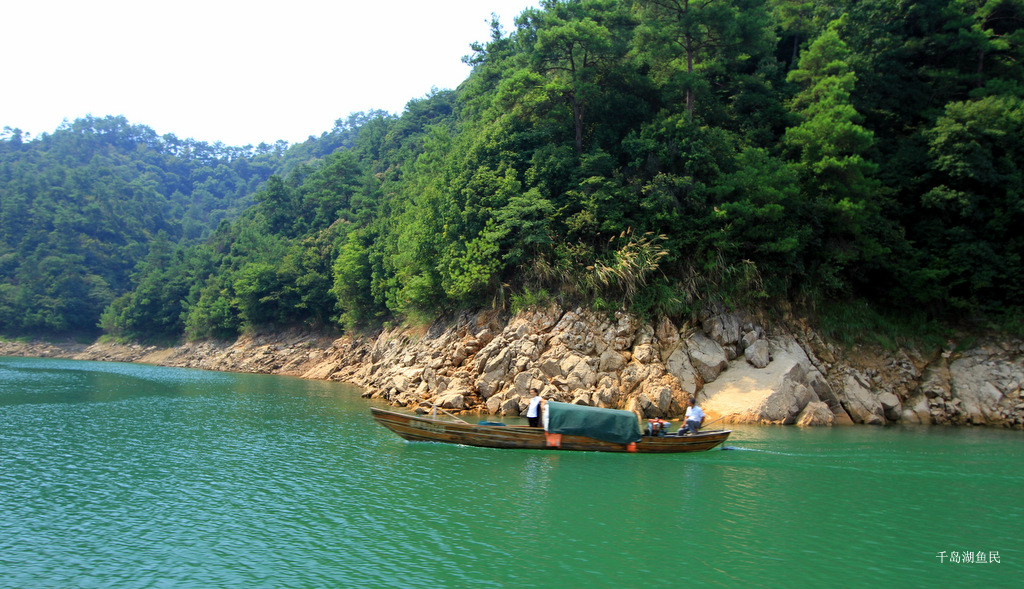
x: 122, y: 475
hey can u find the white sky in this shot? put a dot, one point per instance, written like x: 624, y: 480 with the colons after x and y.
x: 235, y: 71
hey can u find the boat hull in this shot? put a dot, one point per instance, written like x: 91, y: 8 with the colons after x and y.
x: 417, y: 428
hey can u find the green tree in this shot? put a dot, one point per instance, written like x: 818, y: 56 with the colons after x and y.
x: 690, y: 40
x: 798, y: 21
x: 352, y: 285
x: 762, y: 218
x: 976, y: 205
x: 829, y: 149
x: 576, y: 47
x: 986, y: 37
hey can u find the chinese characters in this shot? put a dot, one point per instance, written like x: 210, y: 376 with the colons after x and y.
x: 969, y: 557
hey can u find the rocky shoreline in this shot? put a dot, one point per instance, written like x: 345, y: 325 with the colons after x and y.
x: 739, y: 369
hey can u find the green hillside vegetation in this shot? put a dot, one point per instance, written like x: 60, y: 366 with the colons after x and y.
x: 652, y: 154
x: 80, y: 208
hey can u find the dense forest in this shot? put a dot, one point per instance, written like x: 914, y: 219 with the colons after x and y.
x: 82, y: 207
x: 657, y: 155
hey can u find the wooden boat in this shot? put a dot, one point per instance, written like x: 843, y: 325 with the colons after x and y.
x: 417, y: 428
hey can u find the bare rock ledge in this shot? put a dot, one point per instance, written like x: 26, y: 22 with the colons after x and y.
x: 738, y: 370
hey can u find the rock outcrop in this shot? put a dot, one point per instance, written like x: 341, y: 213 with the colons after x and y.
x: 739, y: 370
x: 41, y: 349
x: 775, y: 394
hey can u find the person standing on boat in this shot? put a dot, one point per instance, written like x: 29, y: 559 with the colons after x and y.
x: 533, y: 411
x: 694, y: 418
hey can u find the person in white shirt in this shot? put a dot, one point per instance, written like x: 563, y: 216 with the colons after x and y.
x: 533, y: 411
x: 694, y: 418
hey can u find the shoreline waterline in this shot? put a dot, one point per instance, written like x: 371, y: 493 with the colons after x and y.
x: 449, y: 366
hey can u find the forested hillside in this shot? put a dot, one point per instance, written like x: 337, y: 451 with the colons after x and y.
x: 81, y: 207
x: 656, y: 154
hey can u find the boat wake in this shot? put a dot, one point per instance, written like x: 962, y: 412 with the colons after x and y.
x: 756, y: 450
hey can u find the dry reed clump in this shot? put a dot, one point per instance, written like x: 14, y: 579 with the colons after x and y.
x: 620, y: 270
x: 717, y: 280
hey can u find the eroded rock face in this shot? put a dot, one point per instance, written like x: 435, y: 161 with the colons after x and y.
x: 776, y: 394
x: 574, y: 356
x: 987, y: 382
x: 486, y: 363
x: 67, y: 349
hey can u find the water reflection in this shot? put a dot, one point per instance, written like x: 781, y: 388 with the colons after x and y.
x: 536, y: 473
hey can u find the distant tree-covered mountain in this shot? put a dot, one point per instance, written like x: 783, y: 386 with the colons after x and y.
x: 81, y: 207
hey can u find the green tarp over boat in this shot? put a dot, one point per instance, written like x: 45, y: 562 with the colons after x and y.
x: 609, y: 425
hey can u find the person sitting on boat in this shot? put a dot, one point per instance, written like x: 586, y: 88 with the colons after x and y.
x: 694, y: 418
x: 657, y: 427
x: 533, y: 411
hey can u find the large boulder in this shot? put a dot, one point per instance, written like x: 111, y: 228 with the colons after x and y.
x: 607, y: 392
x: 581, y: 399
x: 452, y: 401
x: 511, y: 407
x: 828, y: 395
x: 707, y: 356
x: 916, y: 410
x: 660, y: 398
x: 632, y: 376
x: 667, y: 336
x: 749, y: 338
x: 678, y: 365
x: 550, y: 366
x: 499, y: 362
x: 891, y: 406
x: 490, y: 383
x: 620, y: 335
x: 576, y: 333
x: 611, y: 361
x: 642, y: 405
x: 569, y: 363
x: 758, y: 354
x: 407, y: 378
x: 935, y: 380
x: 645, y: 353
x: 723, y: 328
x: 862, y: 405
x: 524, y: 381
x: 494, y: 404
x: 816, y: 413
x: 785, y: 403
x: 583, y: 376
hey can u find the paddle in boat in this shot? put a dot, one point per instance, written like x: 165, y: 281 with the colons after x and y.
x: 566, y: 427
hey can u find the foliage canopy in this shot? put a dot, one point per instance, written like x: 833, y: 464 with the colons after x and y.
x: 656, y: 154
